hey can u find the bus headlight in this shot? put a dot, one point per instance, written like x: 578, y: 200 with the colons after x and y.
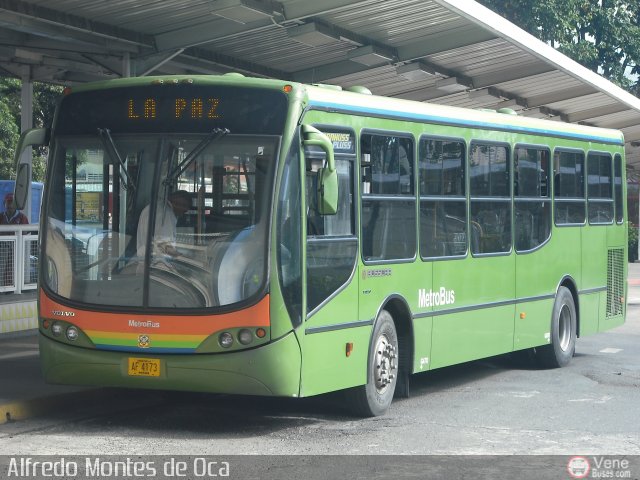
x: 72, y: 333
x: 245, y: 337
x: 225, y: 339
x: 56, y: 329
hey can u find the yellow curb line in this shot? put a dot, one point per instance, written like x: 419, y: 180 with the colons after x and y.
x: 24, y: 409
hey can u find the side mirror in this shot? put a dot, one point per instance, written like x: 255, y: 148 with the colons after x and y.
x: 21, y: 191
x: 327, y: 193
x: 327, y: 184
x: 34, y: 137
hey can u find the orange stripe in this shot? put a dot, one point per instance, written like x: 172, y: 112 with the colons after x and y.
x: 254, y: 316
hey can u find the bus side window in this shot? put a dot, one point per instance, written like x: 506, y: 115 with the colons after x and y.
x: 443, y: 206
x: 532, y: 201
x: 617, y: 182
x: 568, y: 188
x: 599, y: 188
x: 289, y: 233
x: 490, y: 198
x: 388, y: 199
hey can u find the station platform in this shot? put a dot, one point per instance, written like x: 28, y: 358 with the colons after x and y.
x: 18, y: 312
x: 24, y: 394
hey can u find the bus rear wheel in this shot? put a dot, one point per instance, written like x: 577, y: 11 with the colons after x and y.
x: 563, y: 332
x: 374, y: 398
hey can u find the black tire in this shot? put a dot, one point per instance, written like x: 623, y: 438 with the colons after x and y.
x: 374, y: 398
x: 563, y: 332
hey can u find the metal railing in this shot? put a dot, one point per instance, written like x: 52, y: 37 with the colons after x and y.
x: 18, y: 258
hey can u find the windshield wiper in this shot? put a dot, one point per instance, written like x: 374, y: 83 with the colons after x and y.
x: 112, y: 151
x: 216, y: 134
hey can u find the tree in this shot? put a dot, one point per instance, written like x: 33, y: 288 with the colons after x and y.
x: 603, y: 35
x: 9, y: 134
x: 44, y: 102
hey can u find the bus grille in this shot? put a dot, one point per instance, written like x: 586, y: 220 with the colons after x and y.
x: 615, y: 282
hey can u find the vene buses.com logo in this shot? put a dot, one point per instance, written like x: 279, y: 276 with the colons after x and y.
x: 578, y: 467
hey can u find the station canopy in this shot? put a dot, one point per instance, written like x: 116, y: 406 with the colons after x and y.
x: 451, y: 52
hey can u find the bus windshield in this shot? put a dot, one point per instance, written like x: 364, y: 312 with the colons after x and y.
x: 158, y: 219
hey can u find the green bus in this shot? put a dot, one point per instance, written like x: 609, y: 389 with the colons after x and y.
x: 262, y: 237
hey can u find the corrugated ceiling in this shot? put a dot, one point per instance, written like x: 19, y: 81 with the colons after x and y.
x: 453, y: 52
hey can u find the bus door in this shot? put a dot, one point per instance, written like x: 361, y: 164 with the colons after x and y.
x: 539, y: 268
x: 334, y: 347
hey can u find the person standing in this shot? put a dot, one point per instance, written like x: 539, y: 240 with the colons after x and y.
x: 12, y: 216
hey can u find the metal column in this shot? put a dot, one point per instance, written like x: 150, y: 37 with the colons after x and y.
x: 26, y: 122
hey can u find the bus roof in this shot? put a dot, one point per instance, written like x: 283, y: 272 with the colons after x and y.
x: 329, y: 98
x: 333, y: 98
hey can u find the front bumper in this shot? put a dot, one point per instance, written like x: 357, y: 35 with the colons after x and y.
x: 272, y: 369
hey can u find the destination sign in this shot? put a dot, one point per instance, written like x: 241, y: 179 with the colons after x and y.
x: 182, y: 108
x: 174, y: 109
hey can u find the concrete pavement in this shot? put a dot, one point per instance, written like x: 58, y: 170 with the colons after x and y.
x: 24, y: 393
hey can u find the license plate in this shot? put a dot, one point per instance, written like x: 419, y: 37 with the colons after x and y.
x: 144, y: 367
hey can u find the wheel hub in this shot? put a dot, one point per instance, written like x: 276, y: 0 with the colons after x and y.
x: 386, y: 363
x: 564, y: 328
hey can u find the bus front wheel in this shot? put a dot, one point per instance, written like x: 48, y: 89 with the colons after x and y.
x: 563, y: 332
x: 374, y: 398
